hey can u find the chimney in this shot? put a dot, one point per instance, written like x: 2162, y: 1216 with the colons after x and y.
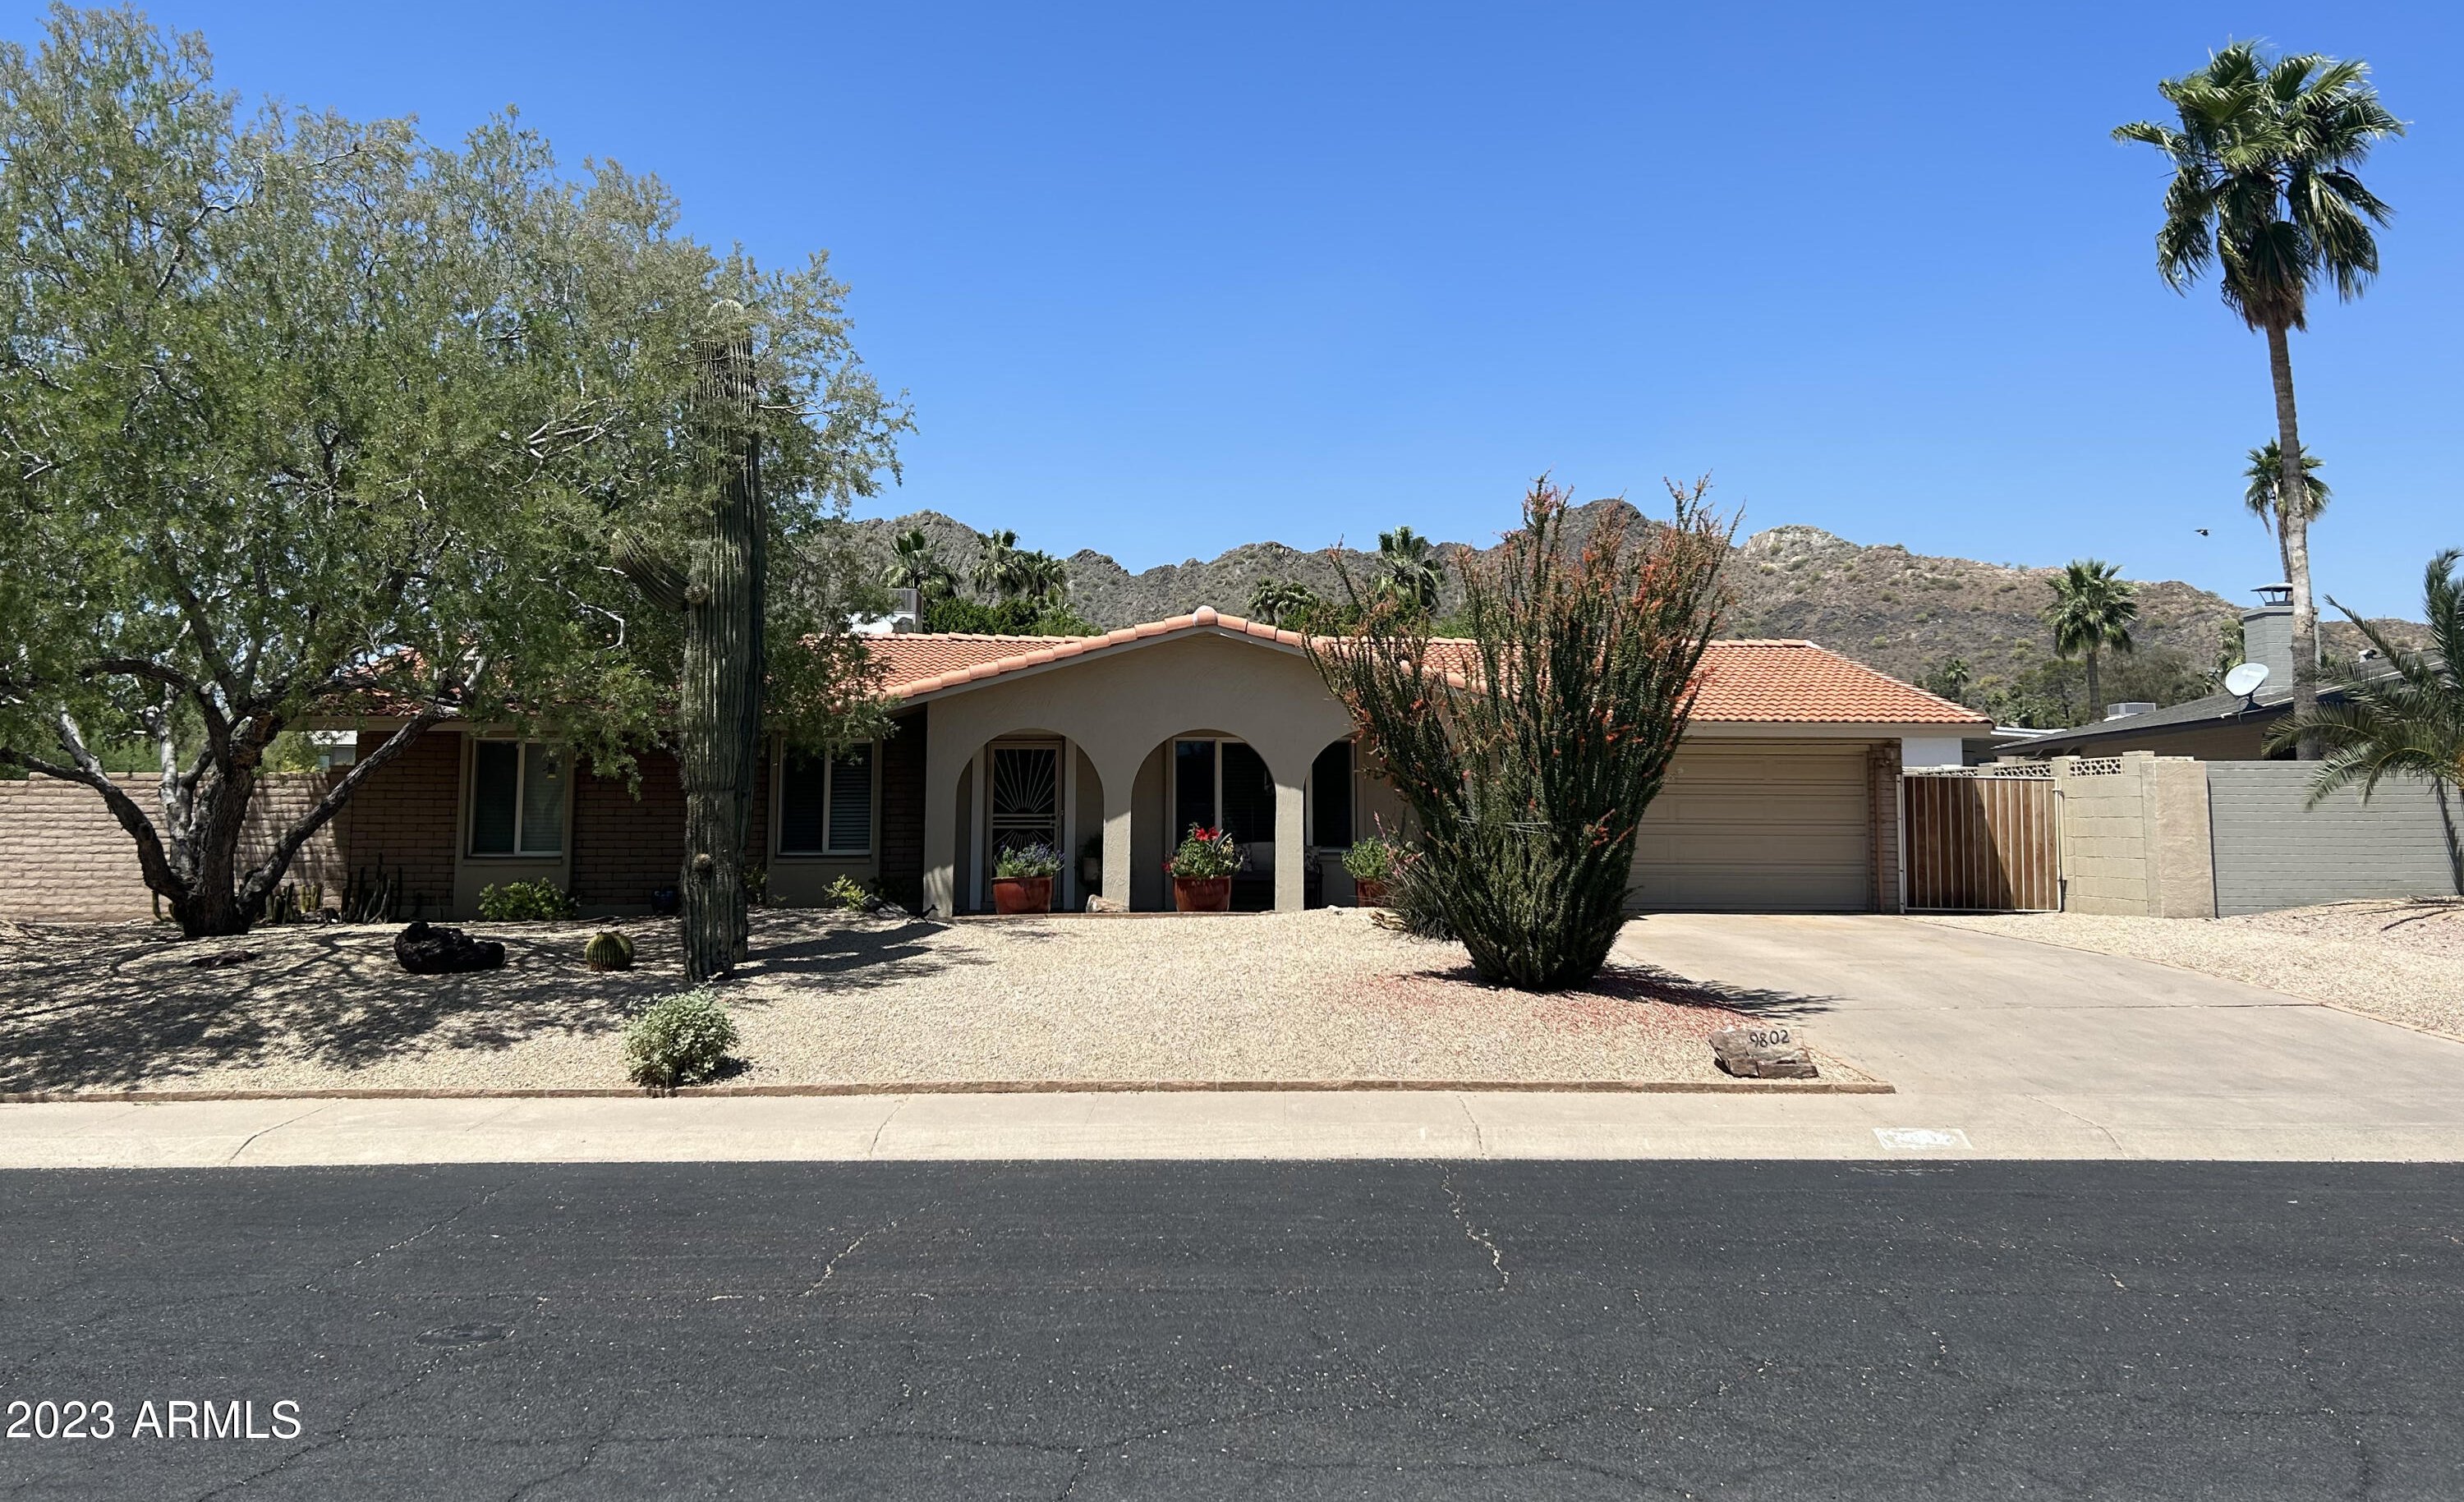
x: 2267, y: 634
x: 906, y: 611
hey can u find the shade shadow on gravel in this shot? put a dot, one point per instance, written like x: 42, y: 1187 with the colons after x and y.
x: 120, y: 1006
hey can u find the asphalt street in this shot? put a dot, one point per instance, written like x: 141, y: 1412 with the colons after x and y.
x: 1089, y: 1330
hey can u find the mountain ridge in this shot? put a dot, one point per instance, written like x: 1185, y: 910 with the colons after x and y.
x: 1878, y: 603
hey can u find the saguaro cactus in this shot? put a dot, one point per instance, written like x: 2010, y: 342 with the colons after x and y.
x: 720, y: 592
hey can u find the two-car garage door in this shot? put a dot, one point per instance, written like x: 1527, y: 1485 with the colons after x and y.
x: 1758, y: 828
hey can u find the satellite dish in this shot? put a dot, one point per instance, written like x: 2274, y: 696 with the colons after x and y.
x: 2246, y: 679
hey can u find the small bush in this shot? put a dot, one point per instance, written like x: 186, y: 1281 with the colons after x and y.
x: 526, y: 902
x: 680, y: 1040
x: 757, y: 885
x: 1371, y: 859
x: 849, y: 895
x: 1412, y: 905
x: 1038, y: 858
x: 608, y: 952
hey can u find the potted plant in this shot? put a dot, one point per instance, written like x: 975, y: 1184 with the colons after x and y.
x: 1023, y: 878
x: 1202, y: 871
x: 1371, y: 865
x: 1090, y: 862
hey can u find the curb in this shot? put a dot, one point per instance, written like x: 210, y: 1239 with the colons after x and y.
x: 978, y: 1087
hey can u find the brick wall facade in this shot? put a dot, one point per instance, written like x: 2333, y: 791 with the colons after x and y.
x: 64, y: 859
x: 902, y: 812
x: 407, y: 817
x: 625, y: 846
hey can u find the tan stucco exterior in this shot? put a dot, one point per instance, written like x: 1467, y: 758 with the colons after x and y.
x: 1120, y: 709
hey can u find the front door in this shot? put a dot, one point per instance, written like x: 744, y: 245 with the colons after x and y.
x: 1023, y: 803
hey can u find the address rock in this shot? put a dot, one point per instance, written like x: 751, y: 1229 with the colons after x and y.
x: 1762, y: 1051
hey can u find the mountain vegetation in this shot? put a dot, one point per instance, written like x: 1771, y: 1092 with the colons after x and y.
x: 1904, y: 613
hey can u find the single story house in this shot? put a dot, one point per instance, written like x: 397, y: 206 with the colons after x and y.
x: 2216, y: 727
x: 1784, y: 796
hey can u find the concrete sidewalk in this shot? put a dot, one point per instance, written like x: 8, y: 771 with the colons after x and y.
x: 2000, y: 1047
x: 1259, y: 1125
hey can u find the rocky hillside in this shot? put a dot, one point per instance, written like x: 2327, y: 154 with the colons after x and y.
x: 1884, y: 606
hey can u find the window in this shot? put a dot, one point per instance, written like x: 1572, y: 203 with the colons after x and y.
x: 517, y: 789
x: 1330, y: 798
x: 825, y: 805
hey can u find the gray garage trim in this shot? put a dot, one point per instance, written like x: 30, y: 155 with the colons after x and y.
x: 2271, y: 852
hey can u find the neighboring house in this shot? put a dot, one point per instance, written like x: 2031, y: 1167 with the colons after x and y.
x: 2217, y: 727
x: 1784, y: 796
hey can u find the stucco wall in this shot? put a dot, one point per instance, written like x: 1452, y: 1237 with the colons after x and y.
x: 2134, y: 836
x: 1118, y: 707
x: 2274, y: 851
x: 64, y: 857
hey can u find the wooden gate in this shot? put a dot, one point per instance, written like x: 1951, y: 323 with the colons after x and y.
x: 1980, y: 841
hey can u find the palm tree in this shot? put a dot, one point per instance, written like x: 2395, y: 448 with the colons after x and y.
x: 2092, y: 612
x: 1039, y: 576
x: 1277, y: 601
x: 2264, y: 188
x: 915, y: 564
x: 2260, y: 481
x: 1411, y: 569
x: 997, y: 569
x: 2406, y: 720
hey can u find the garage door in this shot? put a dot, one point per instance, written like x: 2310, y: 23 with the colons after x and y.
x: 1742, y: 828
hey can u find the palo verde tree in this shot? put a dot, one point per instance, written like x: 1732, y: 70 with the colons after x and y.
x: 1528, y: 760
x: 307, y: 419
x: 2265, y: 189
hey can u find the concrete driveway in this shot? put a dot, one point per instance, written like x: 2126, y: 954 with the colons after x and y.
x: 2008, y: 1036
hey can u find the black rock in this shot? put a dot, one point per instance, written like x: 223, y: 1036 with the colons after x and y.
x: 424, y: 950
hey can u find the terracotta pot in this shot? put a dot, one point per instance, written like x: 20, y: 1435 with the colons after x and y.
x: 1368, y: 893
x: 1021, y: 894
x: 1201, y: 894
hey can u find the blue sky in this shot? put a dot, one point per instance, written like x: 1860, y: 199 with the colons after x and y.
x: 1162, y: 280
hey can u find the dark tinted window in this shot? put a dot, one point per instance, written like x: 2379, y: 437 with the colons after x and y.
x: 495, y: 796
x: 1331, y: 796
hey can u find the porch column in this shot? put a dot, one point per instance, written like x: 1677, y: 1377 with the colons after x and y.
x: 1292, y: 839
x: 941, y: 768
x: 1119, y: 783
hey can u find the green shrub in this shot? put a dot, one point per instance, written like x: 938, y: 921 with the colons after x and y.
x: 608, y: 952
x: 525, y: 902
x: 1411, y: 902
x: 849, y: 895
x: 757, y: 885
x: 680, y: 1039
x: 1371, y: 859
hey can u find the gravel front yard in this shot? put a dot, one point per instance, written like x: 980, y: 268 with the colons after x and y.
x: 834, y: 1000
x: 2401, y: 960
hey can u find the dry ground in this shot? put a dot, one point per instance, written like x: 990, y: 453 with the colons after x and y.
x: 2400, y: 959
x: 832, y: 999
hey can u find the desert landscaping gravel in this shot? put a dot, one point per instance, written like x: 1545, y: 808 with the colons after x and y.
x: 2402, y: 960
x: 832, y: 999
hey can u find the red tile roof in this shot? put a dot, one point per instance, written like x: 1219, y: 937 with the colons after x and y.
x: 1753, y: 682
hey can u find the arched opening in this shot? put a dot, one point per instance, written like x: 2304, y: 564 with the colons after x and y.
x: 1026, y: 788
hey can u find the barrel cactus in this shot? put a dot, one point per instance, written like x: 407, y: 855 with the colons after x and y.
x: 608, y: 952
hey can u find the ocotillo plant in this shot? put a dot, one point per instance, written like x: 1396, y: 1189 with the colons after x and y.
x: 720, y: 593
x: 1529, y: 754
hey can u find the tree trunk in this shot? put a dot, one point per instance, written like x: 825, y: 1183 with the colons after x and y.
x: 719, y: 708
x: 2293, y: 527
x: 2095, y: 694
